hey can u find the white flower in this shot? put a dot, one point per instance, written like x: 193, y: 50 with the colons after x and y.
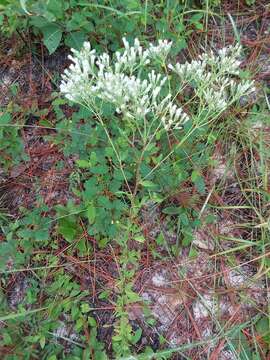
x: 211, y: 77
x: 242, y: 88
x: 131, y: 57
x: 189, y: 71
x: 160, y: 51
x: 98, y: 76
x: 226, y: 60
x: 137, y: 92
x: 172, y: 116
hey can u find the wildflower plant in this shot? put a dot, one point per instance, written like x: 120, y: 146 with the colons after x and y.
x: 151, y: 118
x: 144, y: 89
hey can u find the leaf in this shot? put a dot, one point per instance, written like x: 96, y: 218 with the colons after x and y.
x: 137, y: 335
x: 149, y: 184
x: 92, y: 321
x: 199, y: 26
x: 198, y: 181
x: 160, y: 240
x: 172, y: 210
x: 184, y: 219
x: 100, y: 169
x: 56, y: 8
x: 132, y: 296
x: 75, y: 39
x: 68, y: 228
x: 84, y: 164
x: 7, y: 338
x: 139, y: 238
x: 5, y: 118
x: 42, y: 342
x: 91, y: 213
x: 103, y: 295
x: 23, y: 6
x: 263, y: 328
x: 195, y: 18
x: 39, y: 22
x: 187, y: 239
x: 85, y: 308
x: 52, y: 37
x: 91, y: 189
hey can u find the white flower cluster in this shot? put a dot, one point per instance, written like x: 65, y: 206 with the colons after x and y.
x: 225, y: 61
x: 213, y: 77
x: 139, y: 93
x: 117, y: 81
x: 160, y: 51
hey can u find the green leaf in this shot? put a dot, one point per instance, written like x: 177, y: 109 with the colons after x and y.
x: 263, y: 328
x: 84, y: 164
x: 56, y: 8
x: 52, y: 37
x: 160, y: 240
x: 91, y: 213
x: 42, y: 342
x: 132, y: 296
x: 39, y: 22
x: 92, y: 321
x: 100, y: 169
x: 5, y: 119
x: 85, y: 308
x: 103, y: 295
x: 7, y: 338
x: 139, y: 238
x: 75, y: 39
x: 137, y: 335
x: 68, y: 228
x: 52, y: 357
x: 187, y: 239
x: 172, y: 210
x: 195, y: 18
x: 23, y: 6
x: 149, y: 184
x: 198, y: 181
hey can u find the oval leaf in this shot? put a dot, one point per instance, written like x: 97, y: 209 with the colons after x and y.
x: 91, y: 213
x: 52, y: 37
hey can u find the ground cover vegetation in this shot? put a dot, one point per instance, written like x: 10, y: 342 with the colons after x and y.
x: 134, y: 179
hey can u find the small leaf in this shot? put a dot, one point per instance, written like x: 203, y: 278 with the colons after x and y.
x: 132, y: 296
x: 263, y: 327
x: 68, y: 228
x: 195, y: 18
x: 160, y: 240
x: 198, y: 181
x: 75, y: 39
x: 23, y: 6
x: 7, y: 338
x: 139, y: 238
x: 42, y: 342
x: 100, y: 169
x: 137, y: 335
x: 52, y: 357
x: 172, y: 210
x: 84, y: 164
x: 39, y: 22
x: 149, y: 184
x: 103, y: 295
x: 52, y: 37
x: 85, y: 308
x: 91, y: 213
x: 92, y: 321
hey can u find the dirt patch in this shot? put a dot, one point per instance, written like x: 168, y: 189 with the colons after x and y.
x: 191, y: 300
